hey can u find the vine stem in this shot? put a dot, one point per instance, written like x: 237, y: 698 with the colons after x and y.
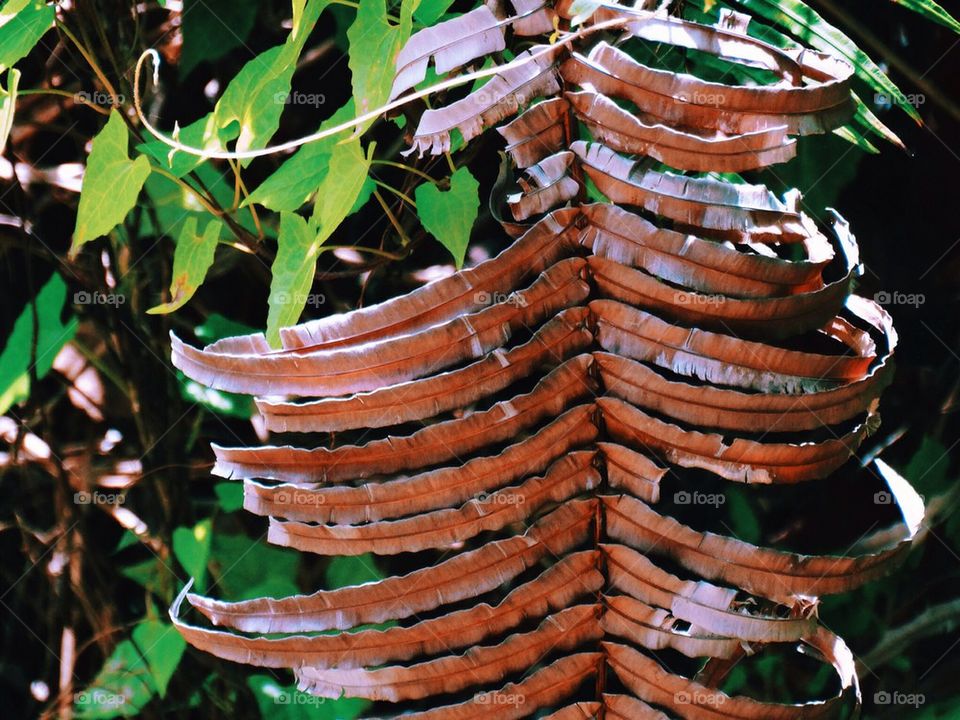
x: 359, y: 120
x: 107, y: 85
x: 75, y: 96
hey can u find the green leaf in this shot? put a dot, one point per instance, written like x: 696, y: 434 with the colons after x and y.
x: 352, y: 570
x: 220, y: 402
x: 249, y: 109
x: 229, y: 495
x: 212, y: 28
x: 111, y: 184
x: 172, y: 204
x: 22, y: 24
x: 216, y: 327
x: 449, y: 216
x: 298, y: 244
x: 742, y: 517
x: 162, y: 646
x: 201, y: 133
x: 122, y: 688
x: 8, y: 105
x: 338, y: 192
x: 292, y: 274
x: 429, y: 11
x: 153, y: 575
x: 803, y: 22
x: 928, y: 469
x: 16, y: 356
x: 292, y: 184
x: 240, y: 565
x: 258, y: 94
x: 191, y: 547
x: 932, y: 11
x: 191, y: 261
x: 374, y: 44
x: 855, y: 137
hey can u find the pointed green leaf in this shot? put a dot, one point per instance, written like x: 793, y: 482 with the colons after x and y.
x: 22, y: 24
x: 122, y: 688
x: 162, y: 646
x: 53, y: 335
x: 212, y: 28
x: 8, y: 103
x: 292, y: 184
x: 932, y: 11
x: 338, y: 193
x: 229, y: 495
x: 429, y: 11
x: 292, y: 274
x: 191, y: 261
x: 374, y: 44
x: 191, y: 547
x: 449, y: 216
x: 352, y: 570
x: 111, y: 183
x: 249, y: 109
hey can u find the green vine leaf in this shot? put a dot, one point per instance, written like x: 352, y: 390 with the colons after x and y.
x: 8, y: 102
x: 249, y: 109
x: 51, y: 336
x: 292, y: 271
x: 191, y: 261
x: 342, y: 186
x: 212, y: 28
x: 22, y: 24
x: 292, y: 184
x: 162, y: 647
x: 449, y: 216
x: 111, y: 184
x: 374, y: 44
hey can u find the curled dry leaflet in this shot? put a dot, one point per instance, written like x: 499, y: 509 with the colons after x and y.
x: 554, y: 584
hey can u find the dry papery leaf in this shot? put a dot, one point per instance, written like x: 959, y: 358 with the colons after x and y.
x: 525, y: 412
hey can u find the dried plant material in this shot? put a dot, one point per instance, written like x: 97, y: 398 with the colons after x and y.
x: 708, y: 325
x: 543, y: 186
x: 500, y: 98
x: 741, y: 212
x: 537, y: 132
x: 693, y: 150
x: 451, y: 44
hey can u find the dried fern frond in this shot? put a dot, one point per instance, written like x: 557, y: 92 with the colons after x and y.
x: 691, y: 330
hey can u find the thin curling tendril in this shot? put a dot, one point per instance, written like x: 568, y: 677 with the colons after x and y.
x: 207, y: 154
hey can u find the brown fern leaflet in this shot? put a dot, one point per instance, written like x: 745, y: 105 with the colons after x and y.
x: 692, y: 327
